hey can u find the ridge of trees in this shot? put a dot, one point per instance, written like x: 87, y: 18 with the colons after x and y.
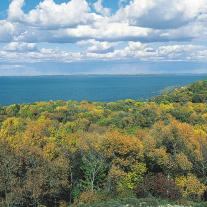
x: 195, y: 93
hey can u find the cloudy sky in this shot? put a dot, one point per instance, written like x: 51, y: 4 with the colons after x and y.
x: 41, y: 37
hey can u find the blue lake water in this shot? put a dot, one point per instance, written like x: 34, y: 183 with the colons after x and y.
x: 92, y: 87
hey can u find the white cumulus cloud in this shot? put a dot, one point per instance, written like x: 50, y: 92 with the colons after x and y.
x: 20, y: 47
x: 50, y: 14
x: 98, y: 6
x: 161, y: 13
x: 7, y: 31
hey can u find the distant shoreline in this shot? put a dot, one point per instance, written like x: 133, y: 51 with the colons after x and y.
x: 150, y: 74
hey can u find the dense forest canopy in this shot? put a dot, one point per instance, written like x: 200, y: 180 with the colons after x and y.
x: 196, y: 93
x: 63, y: 152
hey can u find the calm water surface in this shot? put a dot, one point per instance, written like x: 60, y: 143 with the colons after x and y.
x: 93, y: 88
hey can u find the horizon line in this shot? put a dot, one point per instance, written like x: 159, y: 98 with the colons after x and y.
x: 104, y: 74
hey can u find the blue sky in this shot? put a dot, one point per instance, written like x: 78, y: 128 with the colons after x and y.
x: 50, y: 37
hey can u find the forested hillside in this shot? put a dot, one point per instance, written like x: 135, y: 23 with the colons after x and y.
x: 196, y: 93
x: 68, y: 152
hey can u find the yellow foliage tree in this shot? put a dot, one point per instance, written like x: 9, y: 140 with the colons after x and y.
x: 190, y: 186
